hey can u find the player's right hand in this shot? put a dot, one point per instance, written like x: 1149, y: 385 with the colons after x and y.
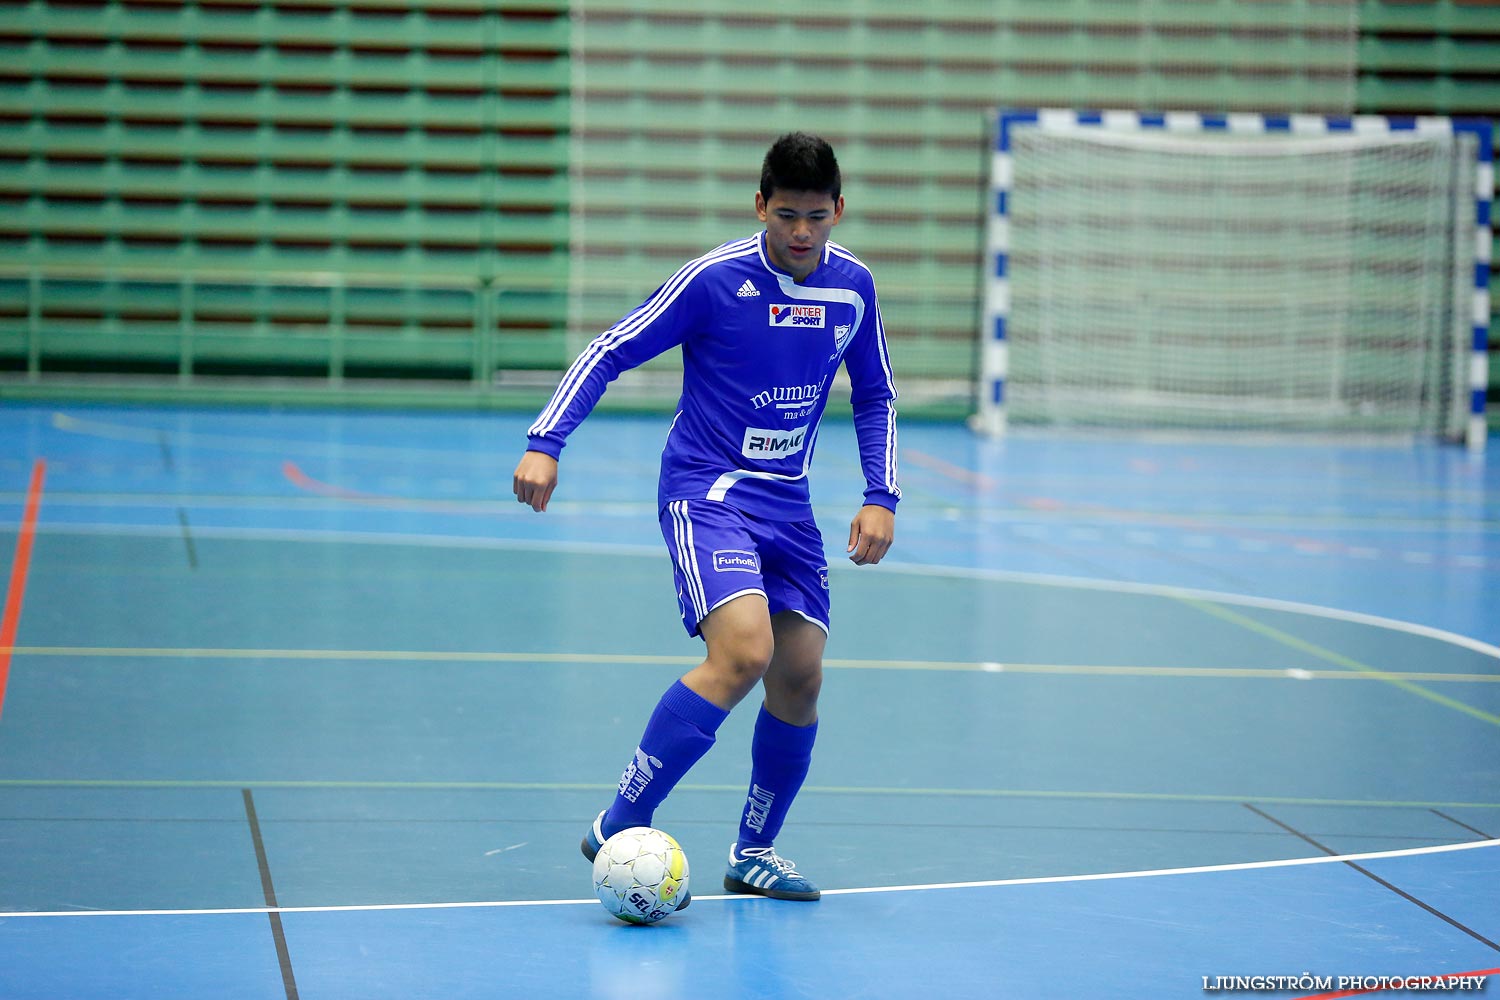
x: 535, y: 479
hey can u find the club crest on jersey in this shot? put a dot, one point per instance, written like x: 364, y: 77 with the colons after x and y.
x: 840, y: 338
x: 783, y: 314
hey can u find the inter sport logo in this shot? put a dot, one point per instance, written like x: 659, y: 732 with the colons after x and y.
x: 792, y: 315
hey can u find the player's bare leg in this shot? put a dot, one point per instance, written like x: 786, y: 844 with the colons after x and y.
x: 741, y: 646
x: 794, y: 678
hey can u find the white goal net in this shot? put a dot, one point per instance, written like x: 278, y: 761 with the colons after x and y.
x: 1188, y: 273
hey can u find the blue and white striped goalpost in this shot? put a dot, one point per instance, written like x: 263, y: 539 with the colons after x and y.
x: 996, y: 304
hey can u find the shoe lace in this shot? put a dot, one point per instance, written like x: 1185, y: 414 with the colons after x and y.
x: 767, y: 855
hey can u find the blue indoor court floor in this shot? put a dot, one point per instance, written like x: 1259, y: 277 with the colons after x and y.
x: 304, y: 704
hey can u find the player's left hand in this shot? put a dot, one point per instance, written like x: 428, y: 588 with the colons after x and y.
x: 535, y: 479
x: 870, y: 534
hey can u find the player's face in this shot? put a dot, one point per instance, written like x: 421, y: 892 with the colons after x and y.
x: 797, y: 227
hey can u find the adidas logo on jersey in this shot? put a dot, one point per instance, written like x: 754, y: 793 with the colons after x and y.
x: 747, y: 290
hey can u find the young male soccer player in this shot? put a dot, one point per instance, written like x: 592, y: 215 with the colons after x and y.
x: 763, y: 323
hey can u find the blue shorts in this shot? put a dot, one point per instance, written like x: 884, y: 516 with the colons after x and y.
x: 720, y: 553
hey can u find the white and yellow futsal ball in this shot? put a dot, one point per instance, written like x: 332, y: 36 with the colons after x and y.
x: 640, y: 874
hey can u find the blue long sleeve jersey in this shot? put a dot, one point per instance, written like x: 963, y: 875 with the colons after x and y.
x: 759, y: 353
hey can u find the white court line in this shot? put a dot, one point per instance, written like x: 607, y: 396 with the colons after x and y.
x: 1222, y: 597
x: 326, y: 536
x: 993, y: 883
x: 913, y: 569
x: 653, y: 551
x: 253, y: 444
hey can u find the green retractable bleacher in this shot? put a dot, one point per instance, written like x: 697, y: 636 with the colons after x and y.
x: 445, y: 189
x: 328, y: 189
x: 679, y: 98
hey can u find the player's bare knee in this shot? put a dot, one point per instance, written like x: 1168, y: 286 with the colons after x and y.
x: 743, y: 660
x: 807, y: 690
x: 794, y: 699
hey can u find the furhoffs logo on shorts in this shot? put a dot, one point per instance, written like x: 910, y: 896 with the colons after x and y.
x: 736, y: 561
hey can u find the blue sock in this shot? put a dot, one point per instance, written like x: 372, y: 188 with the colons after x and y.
x: 678, y: 733
x: 780, y: 755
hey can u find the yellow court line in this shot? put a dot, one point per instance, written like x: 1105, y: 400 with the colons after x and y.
x: 953, y: 666
x: 1364, y: 669
x: 151, y: 784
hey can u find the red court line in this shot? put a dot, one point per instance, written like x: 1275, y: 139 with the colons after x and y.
x: 318, y: 487
x: 16, y: 591
x: 978, y: 481
x: 1386, y: 989
x: 970, y: 478
x: 303, y: 481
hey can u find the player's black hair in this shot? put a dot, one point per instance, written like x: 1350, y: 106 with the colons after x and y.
x: 800, y: 162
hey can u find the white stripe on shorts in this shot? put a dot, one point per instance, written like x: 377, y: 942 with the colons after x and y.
x: 738, y: 593
x: 687, y: 558
x: 807, y: 617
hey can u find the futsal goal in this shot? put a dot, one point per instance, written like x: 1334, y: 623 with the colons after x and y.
x: 1281, y: 273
